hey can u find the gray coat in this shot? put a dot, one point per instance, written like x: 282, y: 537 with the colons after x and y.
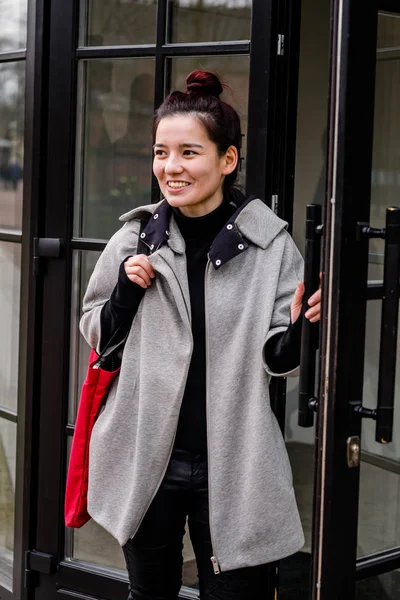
x: 253, y: 513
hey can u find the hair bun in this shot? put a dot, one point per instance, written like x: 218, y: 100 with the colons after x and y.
x: 203, y: 83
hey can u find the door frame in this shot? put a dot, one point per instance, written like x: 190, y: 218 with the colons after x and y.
x: 53, y: 56
x: 335, y: 569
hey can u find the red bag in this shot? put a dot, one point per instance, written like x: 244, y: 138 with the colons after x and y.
x: 93, y: 395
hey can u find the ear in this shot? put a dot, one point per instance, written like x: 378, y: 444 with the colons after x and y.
x: 230, y: 160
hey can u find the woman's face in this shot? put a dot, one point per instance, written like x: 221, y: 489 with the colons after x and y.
x: 189, y: 170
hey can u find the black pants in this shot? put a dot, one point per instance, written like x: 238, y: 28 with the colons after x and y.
x: 154, y: 557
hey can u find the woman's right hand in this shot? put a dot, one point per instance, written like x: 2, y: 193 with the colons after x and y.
x: 139, y: 270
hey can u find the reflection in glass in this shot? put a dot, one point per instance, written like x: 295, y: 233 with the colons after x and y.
x: 10, y: 269
x: 234, y: 71
x: 119, y: 23
x: 83, y: 265
x: 382, y: 587
x: 12, y: 90
x: 379, y: 506
x: 8, y: 453
x: 388, y: 31
x: 13, y: 14
x: 114, y: 147
x: 209, y: 21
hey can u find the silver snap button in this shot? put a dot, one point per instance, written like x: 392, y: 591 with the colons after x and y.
x: 241, y: 247
x: 151, y: 247
x: 156, y: 216
x: 218, y: 262
x: 229, y: 226
x: 142, y: 235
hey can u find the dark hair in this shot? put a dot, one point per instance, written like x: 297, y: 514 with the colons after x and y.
x: 219, y: 118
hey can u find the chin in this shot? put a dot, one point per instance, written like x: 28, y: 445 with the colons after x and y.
x: 177, y: 202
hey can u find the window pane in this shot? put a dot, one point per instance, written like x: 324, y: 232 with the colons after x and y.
x: 294, y: 571
x: 379, y: 505
x: 83, y: 265
x: 8, y: 453
x: 114, y: 153
x: 388, y: 31
x: 119, y: 22
x: 10, y: 268
x: 234, y: 71
x: 382, y: 587
x: 12, y: 89
x: 13, y: 24
x: 209, y: 21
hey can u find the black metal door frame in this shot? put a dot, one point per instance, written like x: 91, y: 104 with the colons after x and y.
x: 352, y: 87
x: 52, y: 62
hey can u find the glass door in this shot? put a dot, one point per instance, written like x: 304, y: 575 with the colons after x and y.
x: 355, y: 546
x: 126, y: 57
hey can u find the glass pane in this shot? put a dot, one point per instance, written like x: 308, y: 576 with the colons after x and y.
x: 209, y: 21
x: 13, y: 14
x: 12, y: 90
x: 234, y: 71
x: 114, y: 152
x: 119, y: 22
x: 382, y: 587
x: 380, y: 470
x: 10, y: 268
x: 388, y: 31
x: 83, y: 265
x: 309, y: 186
x: 8, y: 453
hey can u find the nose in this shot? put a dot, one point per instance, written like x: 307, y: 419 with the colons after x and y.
x: 173, y: 164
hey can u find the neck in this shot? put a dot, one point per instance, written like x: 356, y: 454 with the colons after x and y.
x: 200, y: 210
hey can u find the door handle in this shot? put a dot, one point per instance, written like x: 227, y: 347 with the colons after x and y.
x: 309, y: 334
x: 384, y: 412
x: 389, y: 324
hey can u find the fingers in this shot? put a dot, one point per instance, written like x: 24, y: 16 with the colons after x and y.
x: 314, y: 313
x: 315, y: 298
x: 139, y: 270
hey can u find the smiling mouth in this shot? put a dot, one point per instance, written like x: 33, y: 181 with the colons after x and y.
x: 177, y: 184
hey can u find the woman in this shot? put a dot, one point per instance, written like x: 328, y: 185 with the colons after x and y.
x: 206, y: 318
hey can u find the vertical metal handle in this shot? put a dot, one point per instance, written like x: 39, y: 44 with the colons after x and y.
x: 389, y: 324
x: 309, y: 336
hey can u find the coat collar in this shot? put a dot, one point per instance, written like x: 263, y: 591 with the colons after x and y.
x: 252, y: 223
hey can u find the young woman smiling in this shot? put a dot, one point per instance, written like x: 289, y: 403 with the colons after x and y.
x: 204, y: 321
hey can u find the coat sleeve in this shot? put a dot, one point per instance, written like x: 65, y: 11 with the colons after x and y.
x: 291, y: 272
x: 103, y: 281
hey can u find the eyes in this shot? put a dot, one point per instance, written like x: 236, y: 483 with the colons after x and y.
x: 162, y: 153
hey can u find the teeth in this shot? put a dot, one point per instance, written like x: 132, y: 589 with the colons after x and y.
x: 177, y: 184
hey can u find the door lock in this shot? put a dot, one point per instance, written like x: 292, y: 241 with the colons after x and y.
x: 353, y: 451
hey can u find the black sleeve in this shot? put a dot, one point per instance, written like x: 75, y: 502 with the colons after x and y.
x: 282, y: 351
x: 120, y: 309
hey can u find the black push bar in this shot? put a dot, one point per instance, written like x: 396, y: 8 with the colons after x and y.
x: 309, y: 336
x: 389, y: 323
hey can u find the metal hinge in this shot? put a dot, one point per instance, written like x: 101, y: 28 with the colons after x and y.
x: 281, y: 44
x: 45, y: 248
x: 38, y: 562
x: 274, y: 203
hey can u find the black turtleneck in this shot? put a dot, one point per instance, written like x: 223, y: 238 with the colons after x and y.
x: 281, y: 353
x: 198, y: 233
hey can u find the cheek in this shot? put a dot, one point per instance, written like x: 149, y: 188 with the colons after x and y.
x: 157, y: 169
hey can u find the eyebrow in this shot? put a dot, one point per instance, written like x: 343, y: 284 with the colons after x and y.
x: 186, y: 145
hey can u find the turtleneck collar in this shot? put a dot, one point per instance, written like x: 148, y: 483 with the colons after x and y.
x: 207, y: 226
